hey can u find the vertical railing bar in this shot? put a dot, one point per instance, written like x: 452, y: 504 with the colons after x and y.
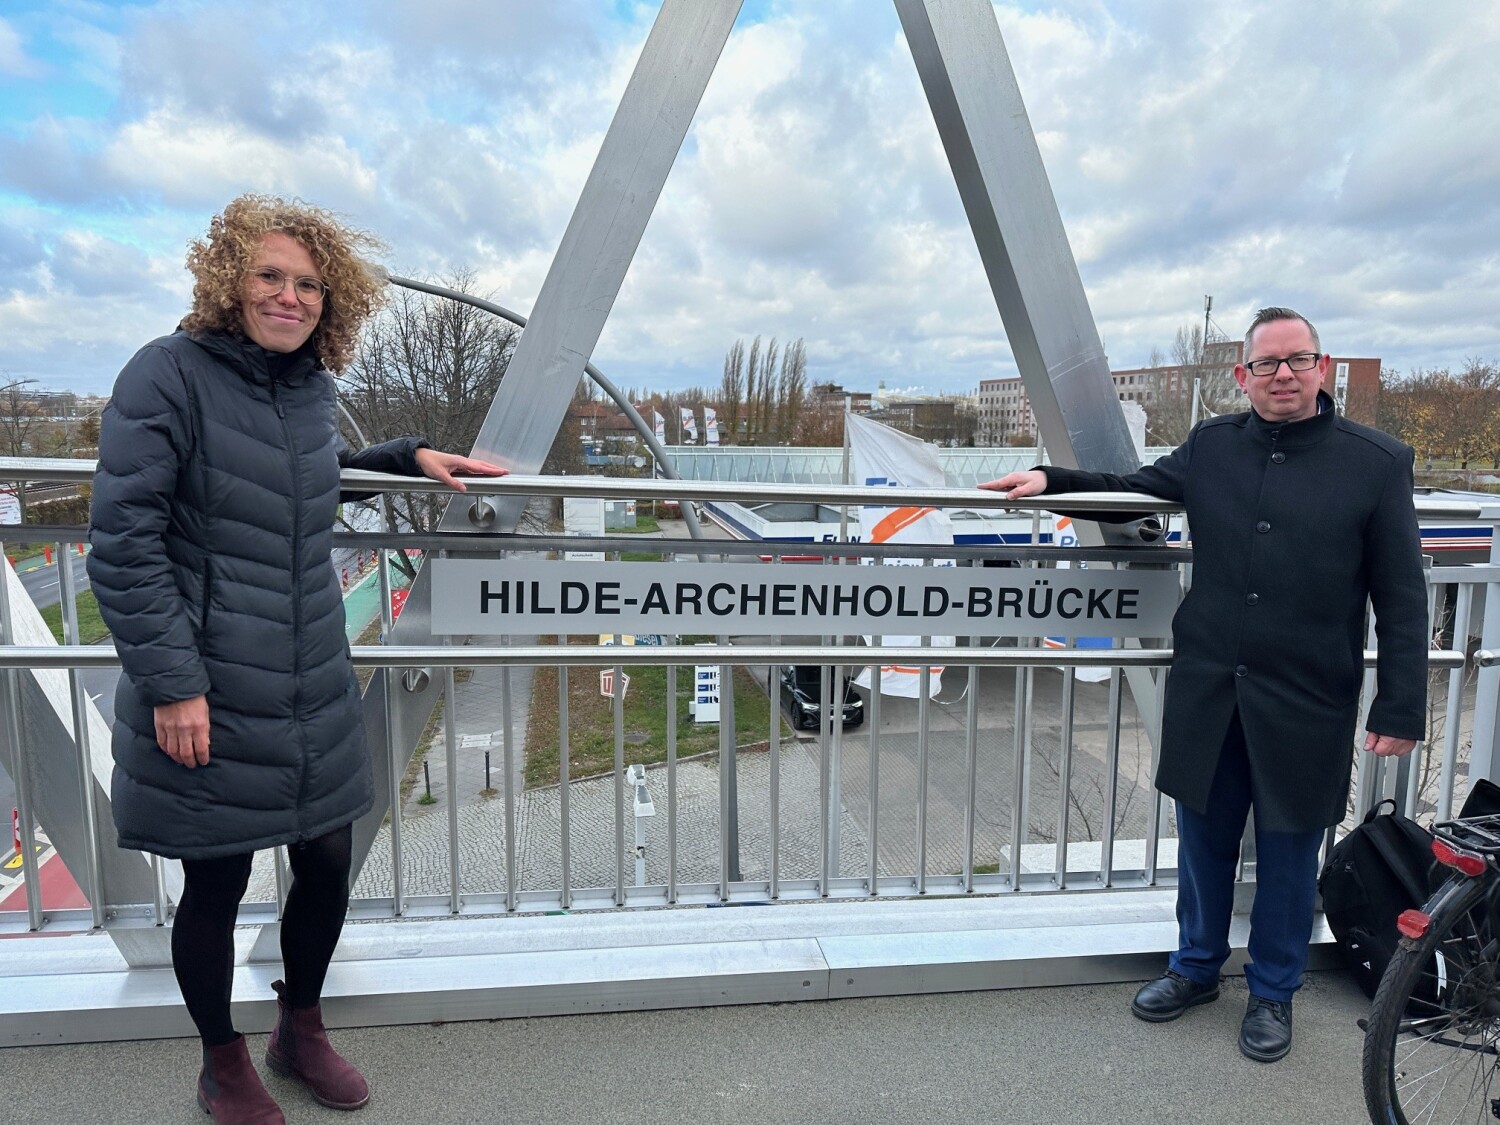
x: 450, y: 764
x: 508, y: 742
x: 874, y: 721
x: 1153, y: 826
x: 971, y: 771
x: 1412, y: 766
x: 1112, y: 777
x: 1065, y: 774
x: 825, y: 827
x: 835, y: 674
x: 924, y: 689
x: 1018, y: 781
x: 617, y: 708
x: 1454, y: 707
x: 564, y: 810
x: 672, y: 783
x: 726, y: 758
x: 283, y: 883
x: 1369, y: 786
x: 159, y: 889
x: 92, y: 874
x: 22, y: 766
x: 392, y: 683
x: 774, y: 691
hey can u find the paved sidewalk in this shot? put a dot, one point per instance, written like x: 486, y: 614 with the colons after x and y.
x: 1036, y: 1056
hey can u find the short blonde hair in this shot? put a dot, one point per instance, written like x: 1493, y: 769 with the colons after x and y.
x: 220, y: 261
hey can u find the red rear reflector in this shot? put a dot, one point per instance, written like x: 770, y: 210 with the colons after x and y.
x: 1450, y: 856
x: 1413, y: 923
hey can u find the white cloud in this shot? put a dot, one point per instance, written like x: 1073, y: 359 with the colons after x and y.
x: 14, y: 61
x: 1346, y: 157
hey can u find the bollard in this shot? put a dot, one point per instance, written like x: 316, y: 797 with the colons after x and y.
x: 487, y: 784
x: 427, y: 778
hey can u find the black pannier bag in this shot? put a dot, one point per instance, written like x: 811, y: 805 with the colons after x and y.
x: 1382, y: 867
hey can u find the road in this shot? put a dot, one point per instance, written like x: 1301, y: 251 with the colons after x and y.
x: 42, y: 582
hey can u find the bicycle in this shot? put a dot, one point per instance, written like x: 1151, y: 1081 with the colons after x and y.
x: 1432, y: 1041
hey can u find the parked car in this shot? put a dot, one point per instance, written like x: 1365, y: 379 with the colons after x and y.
x: 802, y: 694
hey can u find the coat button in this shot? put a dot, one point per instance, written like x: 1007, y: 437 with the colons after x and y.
x: 1252, y: 599
x: 1242, y: 671
x: 1263, y: 527
x: 1278, y: 457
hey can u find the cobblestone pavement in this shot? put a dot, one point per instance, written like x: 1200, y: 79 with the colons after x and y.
x: 591, y: 812
x: 538, y: 829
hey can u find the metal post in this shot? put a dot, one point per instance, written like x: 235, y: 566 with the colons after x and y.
x: 93, y: 879
x: 20, y: 764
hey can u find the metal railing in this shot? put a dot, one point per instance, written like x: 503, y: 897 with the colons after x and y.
x: 1018, y: 778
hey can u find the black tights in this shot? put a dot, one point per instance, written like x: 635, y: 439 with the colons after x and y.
x: 203, y: 932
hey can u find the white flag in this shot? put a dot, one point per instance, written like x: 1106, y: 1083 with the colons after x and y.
x: 661, y: 427
x: 883, y: 456
x: 711, y: 425
x: 688, y: 426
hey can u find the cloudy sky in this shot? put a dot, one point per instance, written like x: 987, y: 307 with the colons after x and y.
x: 1343, y: 158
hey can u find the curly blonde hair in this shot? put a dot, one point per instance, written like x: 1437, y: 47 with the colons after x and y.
x: 220, y: 262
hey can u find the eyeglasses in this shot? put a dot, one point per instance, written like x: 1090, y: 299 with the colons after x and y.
x: 271, y: 282
x: 1302, y: 361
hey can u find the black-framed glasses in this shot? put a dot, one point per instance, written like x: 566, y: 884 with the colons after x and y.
x: 269, y: 282
x: 1302, y: 361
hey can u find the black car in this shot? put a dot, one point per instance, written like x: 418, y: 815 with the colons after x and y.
x: 802, y: 695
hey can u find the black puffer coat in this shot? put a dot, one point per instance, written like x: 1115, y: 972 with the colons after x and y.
x: 212, y: 522
x: 1295, y: 525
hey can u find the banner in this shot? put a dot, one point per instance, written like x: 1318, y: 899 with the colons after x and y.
x: 711, y: 425
x: 661, y: 427
x: 687, y: 426
x: 647, y: 599
x: 880, y: 455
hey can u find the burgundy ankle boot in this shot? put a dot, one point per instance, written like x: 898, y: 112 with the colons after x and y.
x: 230, y: 1091
x: 299, y: 1049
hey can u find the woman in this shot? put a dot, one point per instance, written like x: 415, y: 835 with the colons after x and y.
x: 238, y: 720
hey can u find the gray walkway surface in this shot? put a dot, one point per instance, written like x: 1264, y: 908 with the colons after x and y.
x: 1025, y: 1056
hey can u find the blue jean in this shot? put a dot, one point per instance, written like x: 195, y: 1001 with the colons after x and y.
x: 1286, y: 883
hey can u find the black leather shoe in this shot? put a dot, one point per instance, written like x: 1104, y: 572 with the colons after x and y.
x: 1266, y: 1031
x: 1170, y: 995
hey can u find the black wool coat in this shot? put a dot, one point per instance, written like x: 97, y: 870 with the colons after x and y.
x: 1294, y: 525
x: 212, y: 522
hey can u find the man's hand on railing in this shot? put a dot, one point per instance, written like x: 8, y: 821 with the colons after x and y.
x: 1031, y: 482
x: 1384, y: 746
x: 442, y: 466
x: 182, y: 730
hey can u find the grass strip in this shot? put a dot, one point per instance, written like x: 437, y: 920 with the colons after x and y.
x: 591, y: 725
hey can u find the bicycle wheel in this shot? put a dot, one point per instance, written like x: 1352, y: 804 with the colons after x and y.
x: 1430, y: 1052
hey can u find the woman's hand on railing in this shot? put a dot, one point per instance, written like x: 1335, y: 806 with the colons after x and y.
x: 442, y: 466
x: 1030, y: 482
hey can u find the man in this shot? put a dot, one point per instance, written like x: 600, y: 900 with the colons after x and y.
x: 1298, y: 516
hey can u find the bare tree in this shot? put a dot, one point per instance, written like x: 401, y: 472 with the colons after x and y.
x: 1191, y: 368
x: 22, y: 425
x: 732, y: 390
x: 791, y: 390
x: 429, y: 366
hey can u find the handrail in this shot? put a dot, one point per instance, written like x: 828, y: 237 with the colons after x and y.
x: 606, y: 656
x: 66, y: 470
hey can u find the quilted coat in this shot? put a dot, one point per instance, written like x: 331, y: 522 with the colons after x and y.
x: 1295, y: 525
x: 212, y: 520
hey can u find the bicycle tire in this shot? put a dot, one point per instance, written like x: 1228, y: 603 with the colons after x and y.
x: 1432, y: 1044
